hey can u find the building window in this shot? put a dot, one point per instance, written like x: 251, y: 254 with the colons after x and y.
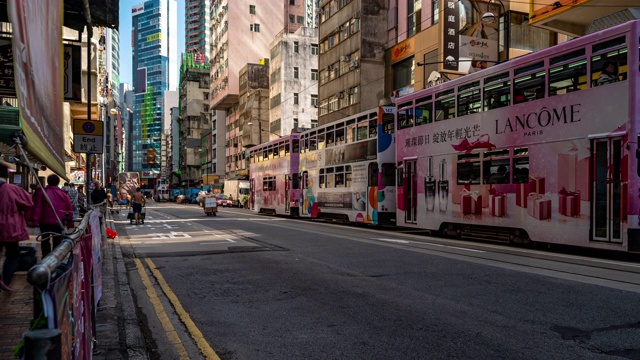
x: 413, y: 17
x: 403, y: 73
x: 252, y: 9
x: 314, y: 49
x: 292, y: 18
x: 254, y: 27
x: 300, y: 19
x: 435, y: 10
x: 295, y: 72
x: 295, y: 123
x: 295, y: 98
x: 296, y: 47
x: 314, y: 123
x: 314, y: 74
x: 292, y: 2
x: 314, y: 100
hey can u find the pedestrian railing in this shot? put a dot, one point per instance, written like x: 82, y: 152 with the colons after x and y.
x: 67, y: 287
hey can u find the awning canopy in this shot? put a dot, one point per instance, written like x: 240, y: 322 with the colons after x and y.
x: 103, y: 13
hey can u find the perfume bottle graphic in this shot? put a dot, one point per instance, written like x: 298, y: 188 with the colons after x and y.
x: 443, y: 186
x: 430, y: 186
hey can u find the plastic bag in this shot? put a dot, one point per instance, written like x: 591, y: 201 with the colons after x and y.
x: 111, y: 234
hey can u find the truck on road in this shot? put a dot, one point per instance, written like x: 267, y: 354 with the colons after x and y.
x: 237, y: 190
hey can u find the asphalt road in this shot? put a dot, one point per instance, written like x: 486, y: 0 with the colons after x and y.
x: 261, y: 287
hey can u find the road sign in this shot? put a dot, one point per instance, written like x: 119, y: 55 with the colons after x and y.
x: 87, y: 136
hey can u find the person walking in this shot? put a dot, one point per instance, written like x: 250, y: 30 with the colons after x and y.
x: 73, y: 196
x: 99, y: 194
x: 14, y: 200
x: 48, y: 218
x: 82, y: 200
x: 137, y: 202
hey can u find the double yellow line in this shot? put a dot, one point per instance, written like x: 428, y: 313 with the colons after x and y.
x: 172, y: 335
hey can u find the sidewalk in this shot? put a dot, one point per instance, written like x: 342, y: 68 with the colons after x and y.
x: 118, y: 331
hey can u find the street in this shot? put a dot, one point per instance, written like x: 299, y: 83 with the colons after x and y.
x: 247, y: 286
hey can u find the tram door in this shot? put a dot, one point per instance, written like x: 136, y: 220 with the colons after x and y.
x: 287, y: 191
x: 410, y: 191
x: 606, y: 206
x: 252, y: 194
x: 305, y: 187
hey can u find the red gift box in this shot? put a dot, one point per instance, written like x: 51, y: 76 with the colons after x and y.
x: 522, y: 192
x: 470, y: 202
x: 536, y: 185
x: 573, y: 173
x: 539, y: 206
x: 569, y: 202
x: 497, y: 203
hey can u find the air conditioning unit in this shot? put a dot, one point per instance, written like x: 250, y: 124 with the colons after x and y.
x: 356, y: 15
x: 354, y: 64
x: 9, y: 123
x: 340, y: 95
x: 344, y: 58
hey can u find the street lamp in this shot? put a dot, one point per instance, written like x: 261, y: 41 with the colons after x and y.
x: 491, y: 18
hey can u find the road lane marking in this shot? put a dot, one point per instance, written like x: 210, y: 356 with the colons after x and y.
x: 197, y: 336
x: 172, y: 335
x: 394, y: 240
x: 428, y: 243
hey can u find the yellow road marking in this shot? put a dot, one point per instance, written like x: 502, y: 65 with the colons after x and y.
x: 197, y: 336
x: 172, y: 335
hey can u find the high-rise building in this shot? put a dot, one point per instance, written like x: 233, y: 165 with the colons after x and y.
x: 111, y: 76
x: 124, y: 131
x: 155, y: 69
x: 197, y: 22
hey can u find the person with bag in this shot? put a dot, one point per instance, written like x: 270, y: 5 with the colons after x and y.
x: 14, y: 200
x: 48, y: 218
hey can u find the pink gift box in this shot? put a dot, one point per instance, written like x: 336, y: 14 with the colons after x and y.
x: 498, y: 205
x: 539, y: 206
x: 522, y: 192
x: 470, y: 202
x: 569, y: 202
x: 573, y: 173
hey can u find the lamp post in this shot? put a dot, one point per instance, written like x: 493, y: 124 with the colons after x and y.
x: 490, y: 18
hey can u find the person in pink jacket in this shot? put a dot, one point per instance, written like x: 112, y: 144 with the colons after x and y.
x: 45, y: 217
x: 14, y: 200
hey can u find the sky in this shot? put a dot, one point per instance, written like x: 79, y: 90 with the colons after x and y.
x: 125, y: 36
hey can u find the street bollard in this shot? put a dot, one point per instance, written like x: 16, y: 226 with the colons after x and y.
x: 43, y: 344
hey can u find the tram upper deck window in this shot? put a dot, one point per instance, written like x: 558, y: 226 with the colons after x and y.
x: 568, y: 73
x: 609, y: 62
x: 445, y: 105
x: 362, y: 130
x: 529, y: 84
x: 321, y: 140
x: 351, y: 131
x: 373, y: 128
x: 330, y: 136
x: 405, y: 116
x: 469, y: 98
x: 497, y: 91
x: 424, y: 110
x: 388, y: 123
x: 340, y: 136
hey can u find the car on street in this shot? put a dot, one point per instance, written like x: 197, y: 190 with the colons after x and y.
x: 223, y: 200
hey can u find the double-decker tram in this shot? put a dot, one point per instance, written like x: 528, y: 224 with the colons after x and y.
x: 274, y: 186
x: 347, y: 169
x: 541, y: 148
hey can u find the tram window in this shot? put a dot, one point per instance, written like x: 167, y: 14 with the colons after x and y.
x: 330, y: 178
x: 339, y: 136
x: 321, y: 141
x: 468, y: 167
x: 399, y: 175
x: 373, y: 174
x: 469, y: 102
x: 520, y: 171
x: 362, y: 131
x: 286, y: 149
x: 330, y: 139
x: 423, y: 113
x: 322, y: 179
x: 568, y: 77
x: 598, y: 63
x: 351, y: 133
x: 529, y: 68
x: 445, y: 108
x: 496, y: 167
x: 373, y: 128
x: 296, y: 146
x: 405, y: 116
x: 276, y: 151
x: 340, y: 180
x: 529, y: 87
x: 388, y: 123
x: 295, y: 181
x: 497, y: 95
x: 388, y: 174
x: 347, y: 176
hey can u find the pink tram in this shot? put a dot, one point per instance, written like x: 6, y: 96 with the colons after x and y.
x: 274, y: 185
x: 541, y: 148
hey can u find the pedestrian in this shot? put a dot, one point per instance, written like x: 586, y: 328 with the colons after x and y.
x: 138, y: 201
x: 82, y: 200
x: 99, y: 194
x: 14, y: 200
x: 73, y: 196
x: 52, y: 221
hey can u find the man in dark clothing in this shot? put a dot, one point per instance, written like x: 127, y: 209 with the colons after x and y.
x: 98, y: 194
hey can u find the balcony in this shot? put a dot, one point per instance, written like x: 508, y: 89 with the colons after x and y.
x: 574, y: 17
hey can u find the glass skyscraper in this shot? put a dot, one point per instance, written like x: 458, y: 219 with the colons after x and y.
x: 155, y: 69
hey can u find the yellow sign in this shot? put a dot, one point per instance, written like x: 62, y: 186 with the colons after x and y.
x: 402, y: 50
x: 88, y: 127
x: 154, y: 37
